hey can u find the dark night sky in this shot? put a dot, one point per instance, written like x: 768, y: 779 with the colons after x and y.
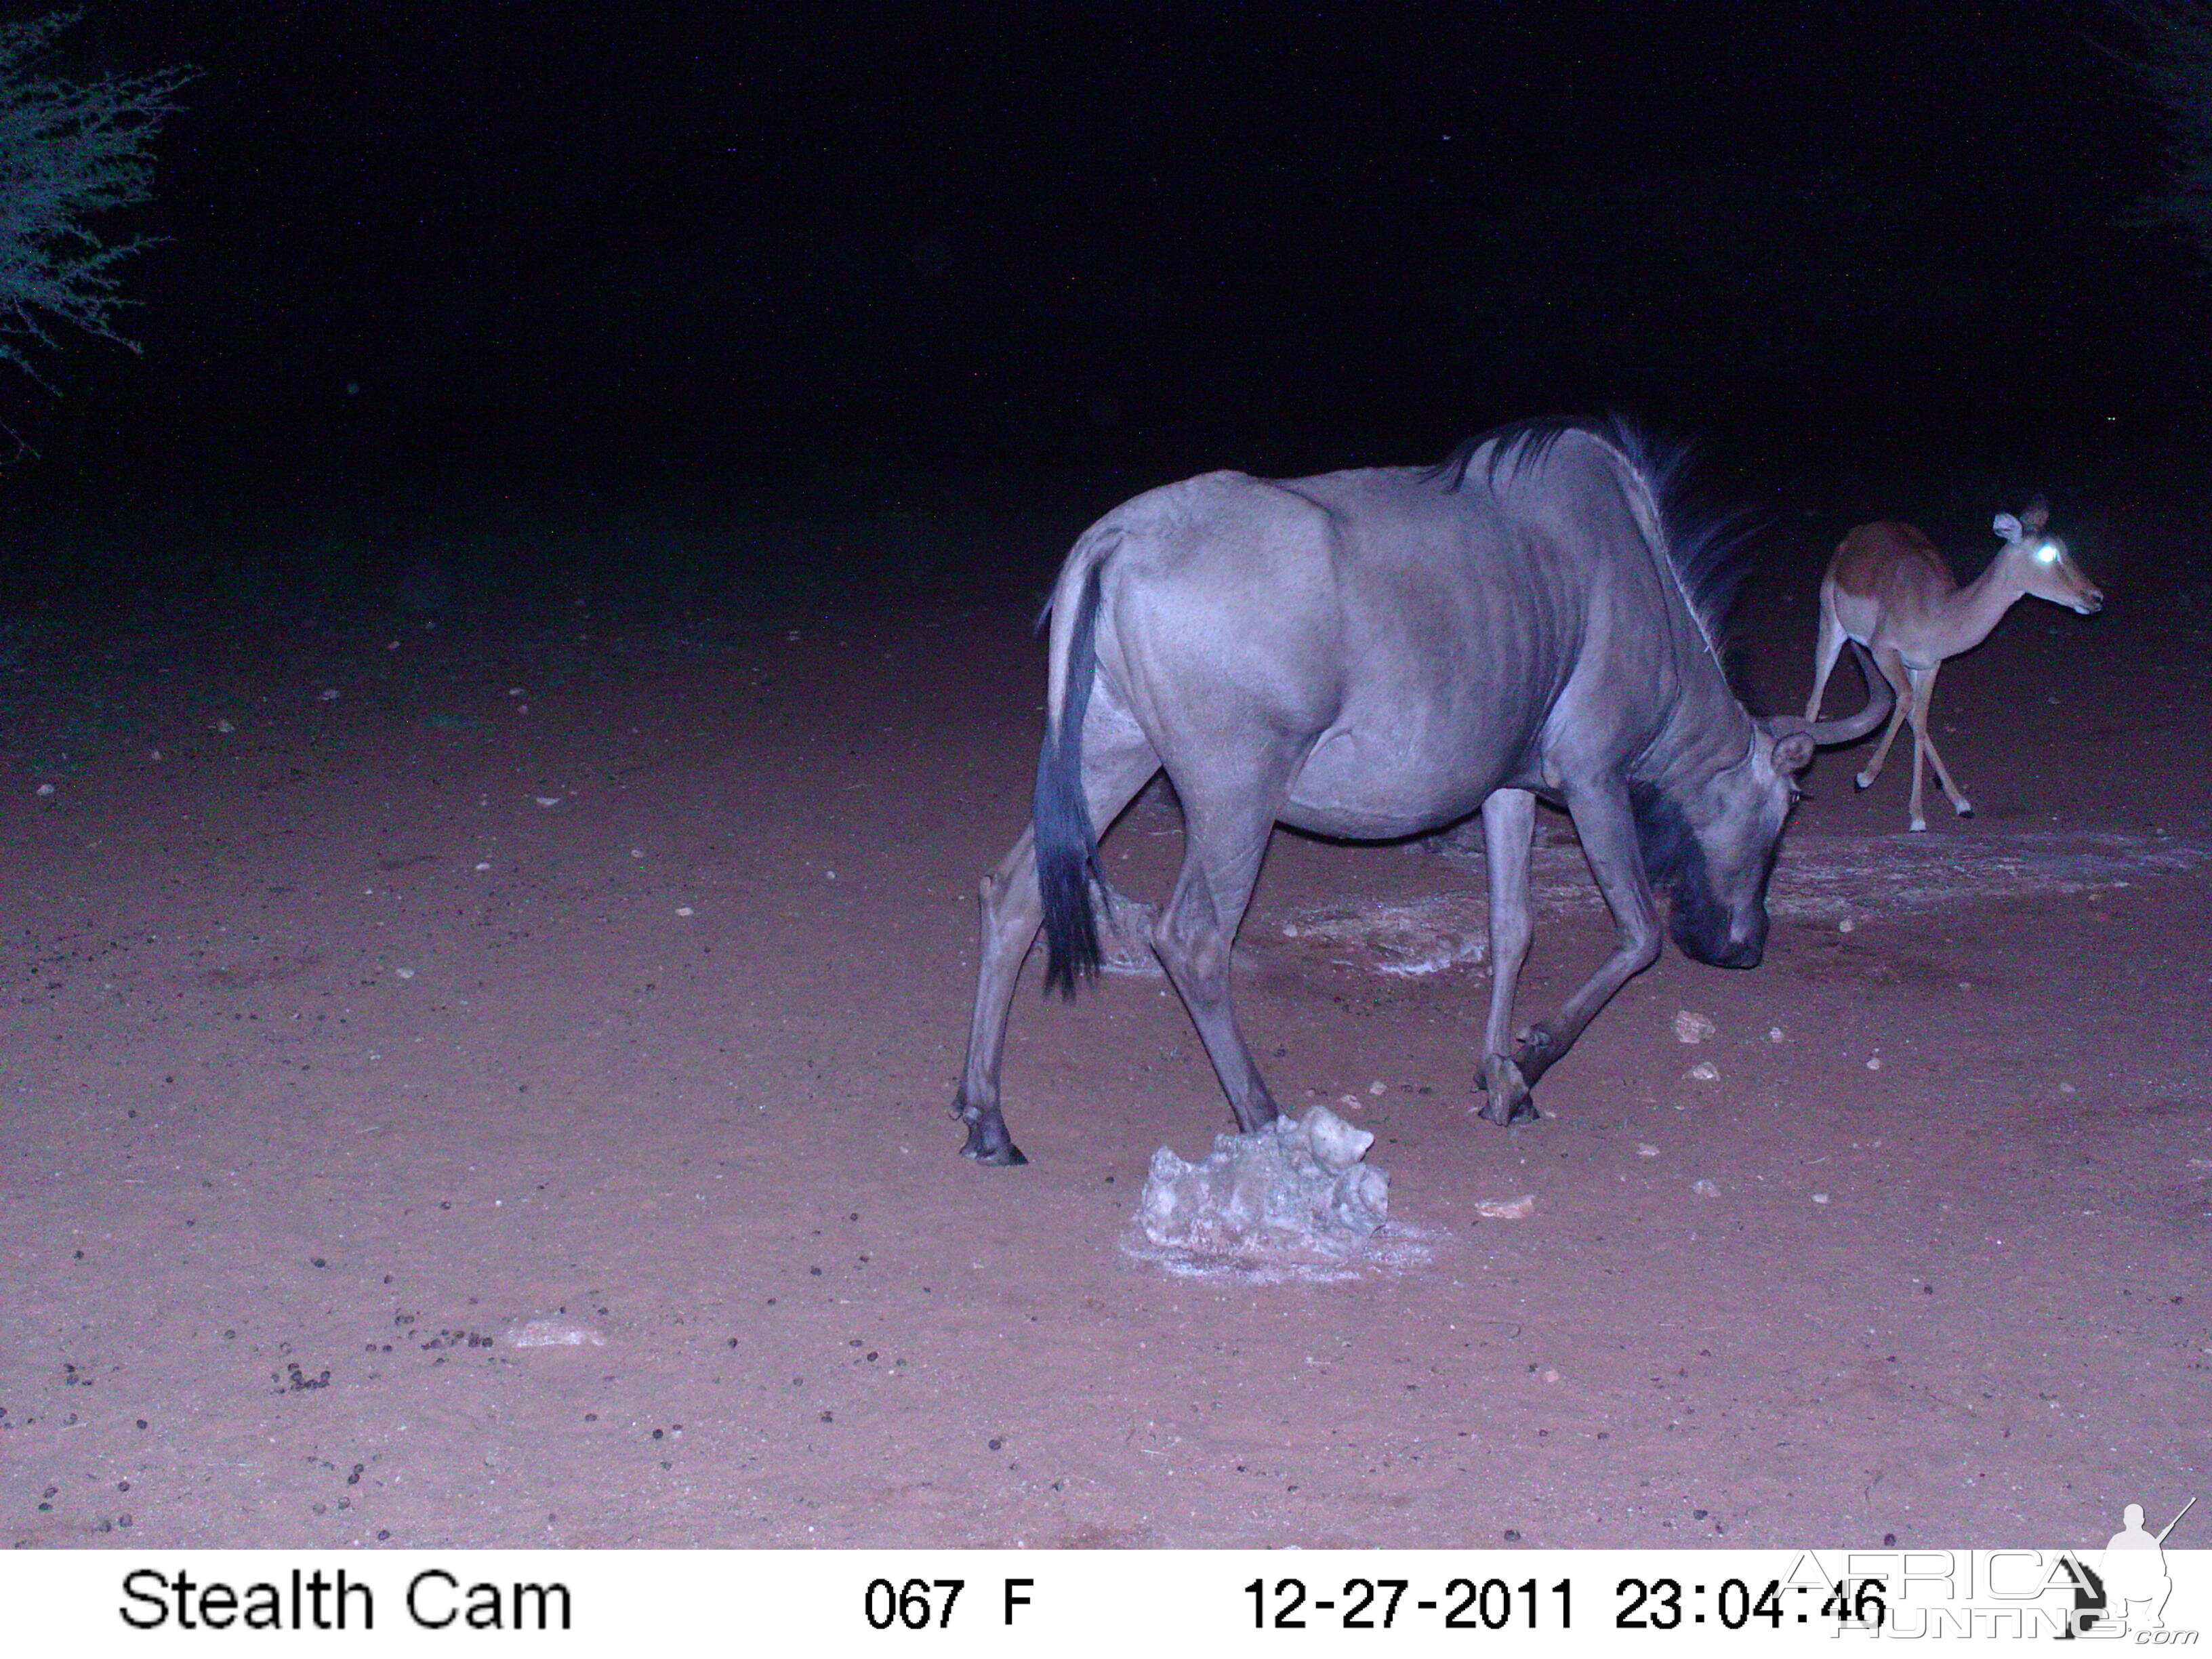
x: 1168, y: 236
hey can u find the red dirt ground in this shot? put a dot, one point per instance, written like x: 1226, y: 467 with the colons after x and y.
x: 564, y: 977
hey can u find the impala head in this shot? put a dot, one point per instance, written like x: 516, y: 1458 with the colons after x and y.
x: 2042, y: 564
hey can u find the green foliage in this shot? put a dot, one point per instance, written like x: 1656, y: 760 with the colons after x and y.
x: 70, y: 151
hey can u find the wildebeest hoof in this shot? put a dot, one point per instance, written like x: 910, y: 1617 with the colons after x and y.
x: 1509, y: 1102
x: 988, y: 1140
x: 997, y: 1150
x: 1965, y: 808
x: 1919, y: 823
x: 1534, y: 1051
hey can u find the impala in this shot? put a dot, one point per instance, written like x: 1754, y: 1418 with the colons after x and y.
x: 1888, y: 589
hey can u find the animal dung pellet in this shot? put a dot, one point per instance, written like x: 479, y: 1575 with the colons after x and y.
x: 1705, y: 1072
x: 1693, y: 1028
x: 1507, y: 1209
x: 1296, y: 1188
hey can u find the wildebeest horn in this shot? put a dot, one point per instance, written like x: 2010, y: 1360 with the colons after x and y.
x: 1880, y: 700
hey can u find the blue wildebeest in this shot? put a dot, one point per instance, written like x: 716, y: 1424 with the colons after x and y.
x: 1374, y: 654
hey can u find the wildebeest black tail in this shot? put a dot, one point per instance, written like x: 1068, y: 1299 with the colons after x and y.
x: 1066, y: 841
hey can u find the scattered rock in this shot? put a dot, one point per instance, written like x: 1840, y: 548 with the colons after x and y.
x: 1295, y: 1190
x: 1693, y: 1028
x: 1507, y: 1209
x: 554, y: 1333
x: 1705, y: 1072
x: 1704, y: 1188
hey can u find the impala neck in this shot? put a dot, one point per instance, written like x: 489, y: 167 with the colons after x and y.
x: 1974, y: 609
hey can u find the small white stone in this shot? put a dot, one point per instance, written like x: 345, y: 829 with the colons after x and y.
x: 1645, y: 1149
x: 547, y: 801
x: 405, y: 973
x: 1774, y: 1034
x: 1819, y: 1198
x: 1705, y: 1072
x: 224, y: 726
x: 682, y: 909
x: 329, y: 696
x: 1845, y: 926
x: 1378, y: 1088
x: 1692, y: 1028
x: 46, y: 789
x: 483, y: 866
x: 1874, y: 1062
x: 1508, y: 1209
x: 2065, y: 1088
x: 1704, y: 1188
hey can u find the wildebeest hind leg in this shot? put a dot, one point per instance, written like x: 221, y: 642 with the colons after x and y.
x: 1224, y: 837
x: 1117, y: 761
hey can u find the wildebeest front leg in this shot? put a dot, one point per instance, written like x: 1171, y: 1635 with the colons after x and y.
x: 1509, y: 825
x: 1608, y: 831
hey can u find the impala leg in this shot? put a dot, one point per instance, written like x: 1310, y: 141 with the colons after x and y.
x: 1924, y: 693
x: 1829, y: 646
x: 1117, y: 761
x: 1891, y: 667
x: 1607, y: 831
x: 1509, y: 825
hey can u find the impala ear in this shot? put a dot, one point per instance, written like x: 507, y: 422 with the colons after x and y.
x: 1793, y: 753
x: 2008, y: 527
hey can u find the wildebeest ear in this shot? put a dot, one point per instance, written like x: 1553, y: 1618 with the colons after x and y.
x: 2008, y: 527
x: 1794, y: 753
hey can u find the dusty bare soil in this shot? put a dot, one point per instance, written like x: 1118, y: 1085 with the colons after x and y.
x: 471, y: 1083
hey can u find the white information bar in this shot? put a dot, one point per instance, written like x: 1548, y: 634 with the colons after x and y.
x: 667, y: 1603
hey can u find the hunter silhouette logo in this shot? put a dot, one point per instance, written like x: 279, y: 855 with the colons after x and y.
x: 2135, y: 1580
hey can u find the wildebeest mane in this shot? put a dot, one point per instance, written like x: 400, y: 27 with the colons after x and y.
x: 1705, y: 551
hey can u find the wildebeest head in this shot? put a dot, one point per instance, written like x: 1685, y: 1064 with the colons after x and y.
x: 1710, y: 846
